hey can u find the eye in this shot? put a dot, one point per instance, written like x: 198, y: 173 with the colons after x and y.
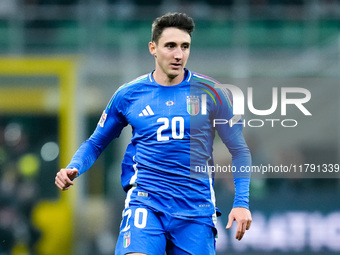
x: 170, y: 45
x: 185, y: 46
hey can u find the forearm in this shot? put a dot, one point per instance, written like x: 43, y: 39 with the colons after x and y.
x: 85, y: 156
x: 242, y: 175
x: 241, y: 192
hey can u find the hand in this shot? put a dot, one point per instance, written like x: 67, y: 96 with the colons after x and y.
x: 243, y: 220
x: 64, y: 178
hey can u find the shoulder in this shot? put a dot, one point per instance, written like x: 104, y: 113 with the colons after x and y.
x: 134, y: 84
x: 126, y: 89
x: 203, y: 79
x: 213, y: 87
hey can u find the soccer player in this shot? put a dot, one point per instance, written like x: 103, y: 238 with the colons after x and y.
x: 170, y: 200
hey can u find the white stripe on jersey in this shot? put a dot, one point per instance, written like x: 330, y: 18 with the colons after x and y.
x: 128, y: 197
x: 189, y: 76
x: 212, y: 193
x: 133, y: 183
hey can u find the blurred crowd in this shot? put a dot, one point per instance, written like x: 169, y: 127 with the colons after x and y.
x: 28, y: 162
x: 157, y: 2
x: 19, y: 193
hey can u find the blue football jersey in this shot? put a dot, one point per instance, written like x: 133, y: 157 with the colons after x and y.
x: 172, y: 137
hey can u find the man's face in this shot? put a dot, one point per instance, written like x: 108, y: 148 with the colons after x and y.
x: 171, y: 52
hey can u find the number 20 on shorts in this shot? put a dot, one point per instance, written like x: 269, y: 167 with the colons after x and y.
x: 139, y: 219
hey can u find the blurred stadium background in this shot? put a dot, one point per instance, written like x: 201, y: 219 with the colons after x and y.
x: 60, y: 62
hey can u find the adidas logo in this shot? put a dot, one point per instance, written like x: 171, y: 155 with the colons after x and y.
x: 147, y: 111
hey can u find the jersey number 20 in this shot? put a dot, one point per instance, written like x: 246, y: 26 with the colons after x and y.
x: 176, y: 134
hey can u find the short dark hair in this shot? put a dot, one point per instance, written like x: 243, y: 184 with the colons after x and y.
x: 178, y: 20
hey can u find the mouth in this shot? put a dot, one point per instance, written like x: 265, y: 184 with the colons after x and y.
x: 175, y: 65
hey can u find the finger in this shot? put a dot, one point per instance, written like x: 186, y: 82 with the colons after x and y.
x: 230, y: 221
x: 57, y: 183
x: 60, y: 184
x: 62, y: 181
x: 73, y: 174
x: 64, y: 186
x: 63, y: 176
x: 241, y: 229
x: 248, y: 224
x: 69, y: 182
x: 67, y: 187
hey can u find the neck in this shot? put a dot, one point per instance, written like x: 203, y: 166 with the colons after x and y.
x: 165, y: 80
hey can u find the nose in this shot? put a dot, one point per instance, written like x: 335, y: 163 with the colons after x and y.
x: 178, y: 54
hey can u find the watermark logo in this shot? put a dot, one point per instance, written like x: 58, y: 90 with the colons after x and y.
x: 238, y: 96
x: 280, y: 98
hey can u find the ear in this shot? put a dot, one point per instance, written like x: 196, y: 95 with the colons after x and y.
x: 152, y: 48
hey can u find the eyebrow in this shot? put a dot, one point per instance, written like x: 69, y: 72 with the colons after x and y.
x: 171, y: 42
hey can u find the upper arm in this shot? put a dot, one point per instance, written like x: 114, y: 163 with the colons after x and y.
x: 231, y: 135
x: 111, y: 122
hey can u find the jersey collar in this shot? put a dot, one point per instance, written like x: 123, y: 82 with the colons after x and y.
x: 187, y: 76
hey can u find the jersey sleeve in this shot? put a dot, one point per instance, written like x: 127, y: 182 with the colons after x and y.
x: 232, y: 137
x: 109, y: 127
